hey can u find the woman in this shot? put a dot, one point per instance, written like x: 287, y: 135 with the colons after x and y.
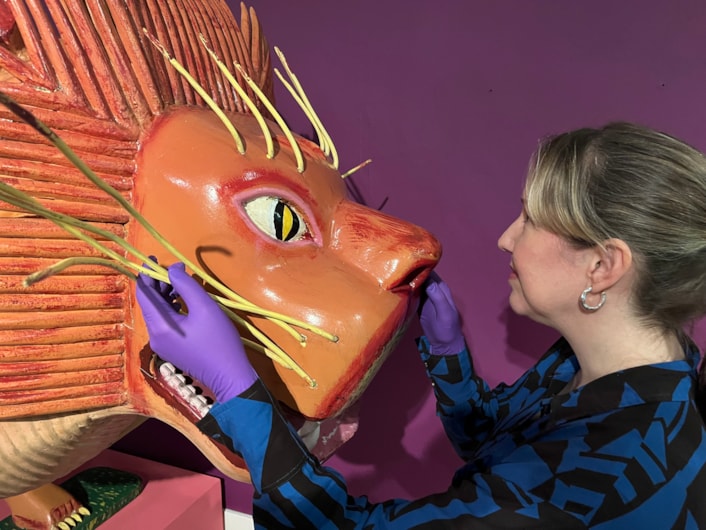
x: 603, y: 432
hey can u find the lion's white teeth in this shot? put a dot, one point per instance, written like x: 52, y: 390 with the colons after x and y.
x: 177, y: 383
x: 203, y: 409
x: 199, y: 399
x: 186, y: 391
x: 167, y: 369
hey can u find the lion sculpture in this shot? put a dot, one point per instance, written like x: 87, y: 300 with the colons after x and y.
x: 138, y: 90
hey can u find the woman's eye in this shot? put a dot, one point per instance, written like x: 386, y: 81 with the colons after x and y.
x: 277, y: 218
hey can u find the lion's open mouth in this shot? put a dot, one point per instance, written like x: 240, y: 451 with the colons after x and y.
x: 195, y: 397
x: 195, y: 400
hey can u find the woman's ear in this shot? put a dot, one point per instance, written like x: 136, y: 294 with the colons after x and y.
x: 611, y: 264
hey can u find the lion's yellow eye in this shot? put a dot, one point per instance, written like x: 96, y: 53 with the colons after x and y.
x: 276, y: 218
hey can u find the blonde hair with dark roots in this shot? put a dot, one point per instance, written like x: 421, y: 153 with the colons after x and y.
x: 639, y: 185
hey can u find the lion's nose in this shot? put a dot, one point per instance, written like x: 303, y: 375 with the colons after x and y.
x: 398, y: 254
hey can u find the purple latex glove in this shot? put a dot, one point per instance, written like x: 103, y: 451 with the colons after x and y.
x: 204, y: 343
x: 440, y: 320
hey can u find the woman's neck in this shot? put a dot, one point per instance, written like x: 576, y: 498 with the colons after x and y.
x: 621, y: 347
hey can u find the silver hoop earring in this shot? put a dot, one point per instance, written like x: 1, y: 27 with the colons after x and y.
x: 587, y: 307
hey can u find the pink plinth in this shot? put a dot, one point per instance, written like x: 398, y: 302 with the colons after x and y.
x: 173, y: 498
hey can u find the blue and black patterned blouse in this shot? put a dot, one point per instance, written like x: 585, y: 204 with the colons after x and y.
x: 626, y: 452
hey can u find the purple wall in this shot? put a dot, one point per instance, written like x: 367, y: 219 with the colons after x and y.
x: 449, y: 99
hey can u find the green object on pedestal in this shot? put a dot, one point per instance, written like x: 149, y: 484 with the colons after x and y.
x: 102, y: 490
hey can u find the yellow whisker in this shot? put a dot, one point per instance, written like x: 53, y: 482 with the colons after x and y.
x: 65, y: 263
x: 277, y: 117
x: 264, y: 312
x: 268, y: 344
x: 305, y: 99
x: 356, y: 168
x: 244, y: 97
x: 201, y: 92
x: 323, y: 144
x: 77, y: 228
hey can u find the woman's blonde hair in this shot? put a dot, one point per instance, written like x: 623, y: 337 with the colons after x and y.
x: 639, y: 185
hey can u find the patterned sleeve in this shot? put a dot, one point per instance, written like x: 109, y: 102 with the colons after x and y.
x: 293, y: 490
x: 467, y: 407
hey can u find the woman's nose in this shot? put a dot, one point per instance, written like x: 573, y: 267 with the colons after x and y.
x: 506, y: 241
x: 398, y: 254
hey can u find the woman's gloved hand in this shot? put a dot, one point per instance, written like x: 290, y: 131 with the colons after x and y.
x: 204, y: 343
x: 439, y: 318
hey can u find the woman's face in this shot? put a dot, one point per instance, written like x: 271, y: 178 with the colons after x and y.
x: 547, y: 272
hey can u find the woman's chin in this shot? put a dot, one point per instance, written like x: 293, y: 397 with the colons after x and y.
x: 518, y: 304
x: 520, y: 307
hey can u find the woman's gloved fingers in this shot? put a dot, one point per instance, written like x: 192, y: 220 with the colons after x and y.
x: 440, y: 319
x: 187, y: 287
x: 434, y: 277
x: 159, y: 315
x: 446, y: 292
